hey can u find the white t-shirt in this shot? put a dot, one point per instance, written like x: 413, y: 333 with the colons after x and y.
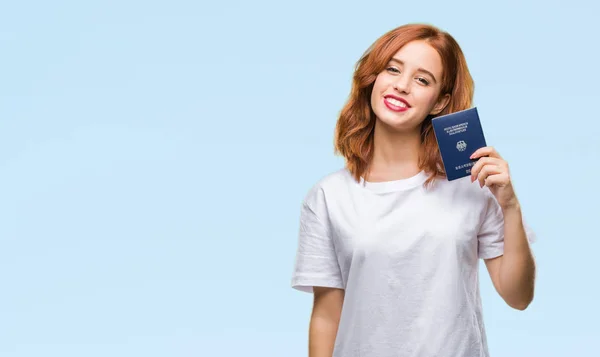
x: 407, y: 258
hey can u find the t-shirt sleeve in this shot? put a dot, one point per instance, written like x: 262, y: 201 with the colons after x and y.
x: 316, y: 262
x: 491, y: 234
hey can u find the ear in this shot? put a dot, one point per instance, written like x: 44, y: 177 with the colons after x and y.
x: 440, y: 104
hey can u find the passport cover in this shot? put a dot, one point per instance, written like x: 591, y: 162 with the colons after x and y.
x: 458, y: 136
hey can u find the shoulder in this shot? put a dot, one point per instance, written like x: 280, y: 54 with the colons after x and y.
x: 475, y: 204
x: 327, y: 186
x: 463, y: 190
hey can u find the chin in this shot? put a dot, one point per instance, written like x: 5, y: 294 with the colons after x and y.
x: 397, y: 121
x: 399, y: 126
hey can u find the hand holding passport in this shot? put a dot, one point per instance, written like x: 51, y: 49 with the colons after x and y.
x: 458, y: 136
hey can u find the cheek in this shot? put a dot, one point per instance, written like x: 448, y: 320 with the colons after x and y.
x: 378, y: 88
x: 427, y: 97
x: 382, y: 82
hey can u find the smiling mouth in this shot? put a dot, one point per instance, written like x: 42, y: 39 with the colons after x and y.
x: 396, y: 104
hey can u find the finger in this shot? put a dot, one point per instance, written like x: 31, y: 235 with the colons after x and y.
x: 486, y: 151
x: 499, y: 179
x: 481, y: 163
x: 487, y: 171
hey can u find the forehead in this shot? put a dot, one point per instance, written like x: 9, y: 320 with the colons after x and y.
x: 419, y: 54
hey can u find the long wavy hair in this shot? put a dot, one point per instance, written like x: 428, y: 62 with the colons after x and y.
x: 356, y: 122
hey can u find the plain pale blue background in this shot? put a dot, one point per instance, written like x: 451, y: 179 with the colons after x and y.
x: 154, y: 156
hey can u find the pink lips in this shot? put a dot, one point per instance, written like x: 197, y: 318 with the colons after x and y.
x: 395, y: 107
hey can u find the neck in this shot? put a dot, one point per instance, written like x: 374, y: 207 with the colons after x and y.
x: 395, y: 154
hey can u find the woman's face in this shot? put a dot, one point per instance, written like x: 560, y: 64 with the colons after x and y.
x: 409, y: 88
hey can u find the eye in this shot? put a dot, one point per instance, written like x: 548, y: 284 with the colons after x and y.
x: 393, y: 70
x: 423, y: 81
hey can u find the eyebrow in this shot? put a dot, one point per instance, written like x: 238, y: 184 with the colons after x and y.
x: 420, y: 69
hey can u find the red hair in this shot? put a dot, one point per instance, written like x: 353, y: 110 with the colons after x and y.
x: 354, y: 128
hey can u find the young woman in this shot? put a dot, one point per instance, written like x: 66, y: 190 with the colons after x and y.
x: 388, y: 246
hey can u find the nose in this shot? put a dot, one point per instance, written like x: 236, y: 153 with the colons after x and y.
x: 402, y: 84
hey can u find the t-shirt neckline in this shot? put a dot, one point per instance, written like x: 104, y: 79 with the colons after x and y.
x: 395, y: 185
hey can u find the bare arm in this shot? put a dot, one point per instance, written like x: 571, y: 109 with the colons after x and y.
x: 324, y: 322
x: 513, y: 274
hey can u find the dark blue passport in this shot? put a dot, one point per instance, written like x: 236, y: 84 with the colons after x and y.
x: 458, y: 136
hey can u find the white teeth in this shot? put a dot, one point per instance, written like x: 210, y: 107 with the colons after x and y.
x: 396, y: 102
